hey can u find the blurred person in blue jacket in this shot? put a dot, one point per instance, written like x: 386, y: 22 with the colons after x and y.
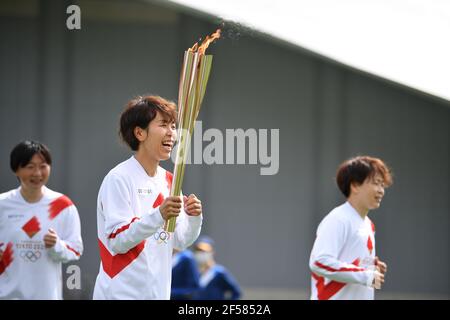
x: 185, y: 275
x: 216, y: 282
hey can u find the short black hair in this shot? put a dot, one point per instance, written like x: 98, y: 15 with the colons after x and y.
x: 139, y: 112
x: 358, y: 169
x: 23, y: 152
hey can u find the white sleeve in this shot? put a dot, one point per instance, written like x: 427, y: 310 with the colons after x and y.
x: 3, y: 228
x: 187, y: 229
x: 123, y: 230
x: 69, y: 245
x: 331, y: 237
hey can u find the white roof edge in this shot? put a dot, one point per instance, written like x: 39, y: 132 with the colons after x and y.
x: 402, y: 41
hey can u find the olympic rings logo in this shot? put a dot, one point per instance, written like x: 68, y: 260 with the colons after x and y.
x: 31, y: 256
x: 162, y: 236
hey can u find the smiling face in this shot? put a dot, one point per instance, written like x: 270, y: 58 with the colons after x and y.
x: 158, y: 139
x: 34, y: 175
x: 369, y: 194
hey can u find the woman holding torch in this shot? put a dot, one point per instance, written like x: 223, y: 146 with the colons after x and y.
x: 134, y: 205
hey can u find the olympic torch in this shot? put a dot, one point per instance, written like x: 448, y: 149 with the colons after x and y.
x: 193, y: 80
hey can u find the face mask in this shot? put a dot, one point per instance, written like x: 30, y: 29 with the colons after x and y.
x: 202, y: 257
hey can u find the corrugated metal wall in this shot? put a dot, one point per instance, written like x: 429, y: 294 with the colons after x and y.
x: 67, y: 89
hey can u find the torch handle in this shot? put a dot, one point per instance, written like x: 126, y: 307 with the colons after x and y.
x: 192, y: 88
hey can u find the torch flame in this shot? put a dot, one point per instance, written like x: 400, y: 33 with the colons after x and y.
x: 194, y: 48
x: 205, y: 44
x: 209, y: 39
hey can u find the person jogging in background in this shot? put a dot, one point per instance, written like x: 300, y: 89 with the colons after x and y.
x: 39, y: 229
x: 343, y: 261
x: 134, y: 203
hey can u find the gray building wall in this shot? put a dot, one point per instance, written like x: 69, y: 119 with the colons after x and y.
x: 67, y: 89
